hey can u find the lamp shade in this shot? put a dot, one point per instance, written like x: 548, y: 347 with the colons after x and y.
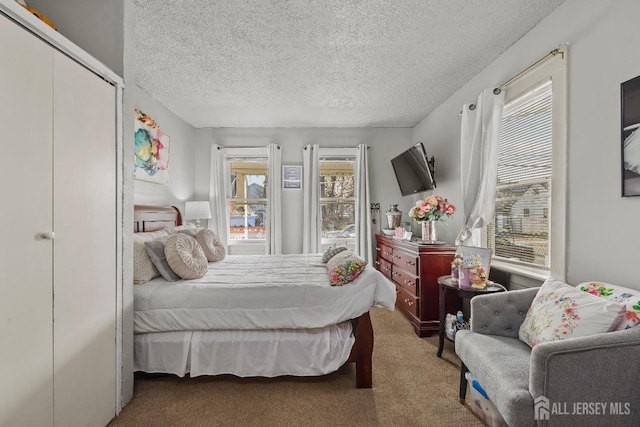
x: 197, y: 210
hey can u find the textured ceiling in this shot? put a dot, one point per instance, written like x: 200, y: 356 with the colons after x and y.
x: 319, y: 63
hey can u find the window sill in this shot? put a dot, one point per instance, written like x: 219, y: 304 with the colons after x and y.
x: 246, y: 242
x: 532, y: 273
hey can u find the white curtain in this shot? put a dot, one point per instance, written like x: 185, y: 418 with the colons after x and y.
x: 311, y: 209
x: 274, y: 209
x: 218, y: 197
x: 363, y: 213
x: 480, y: 133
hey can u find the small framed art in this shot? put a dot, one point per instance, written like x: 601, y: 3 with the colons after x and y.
x: 292, y: 177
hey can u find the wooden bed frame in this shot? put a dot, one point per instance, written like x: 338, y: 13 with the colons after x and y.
x: 153, y: 218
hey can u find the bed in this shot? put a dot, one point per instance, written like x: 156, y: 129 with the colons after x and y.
x: 266, y: 316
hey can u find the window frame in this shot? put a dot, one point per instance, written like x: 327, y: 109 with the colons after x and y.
x: 230, y: 153
x: 554, y: 69
x: 352, y: 155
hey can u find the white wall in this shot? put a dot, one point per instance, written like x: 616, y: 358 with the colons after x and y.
x: 181, y: 157
x: 603, y: 231
x: 386, y: 143
x: 94, y: 25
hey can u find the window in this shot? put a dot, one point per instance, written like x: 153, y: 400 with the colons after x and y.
x: 247, y: 198
x: 528, y: 226
x: 337, y: 199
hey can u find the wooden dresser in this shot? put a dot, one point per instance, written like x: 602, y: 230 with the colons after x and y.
x: 415, y: 270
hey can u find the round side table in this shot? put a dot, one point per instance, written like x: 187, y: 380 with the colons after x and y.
x: 448, y: 286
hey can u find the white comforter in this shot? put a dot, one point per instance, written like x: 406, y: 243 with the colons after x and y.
x: 259, y: 292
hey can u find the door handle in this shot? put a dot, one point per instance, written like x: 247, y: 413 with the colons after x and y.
x: 49, y: 235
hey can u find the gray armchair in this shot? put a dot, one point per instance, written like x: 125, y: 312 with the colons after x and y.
x: 578, y: 376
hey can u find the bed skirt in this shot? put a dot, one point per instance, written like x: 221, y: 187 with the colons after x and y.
x: 245, y: 353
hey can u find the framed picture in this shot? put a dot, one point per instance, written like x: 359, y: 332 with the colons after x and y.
x: 151, y: 150
x: 292, y: 177
x: 630, y: 132
x: 474, y: 256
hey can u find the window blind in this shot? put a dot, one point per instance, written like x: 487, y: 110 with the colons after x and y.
x: 520, y: 231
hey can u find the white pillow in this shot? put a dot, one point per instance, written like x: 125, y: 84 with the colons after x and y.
x: 560, y: 311
x: 185, y: 256
x: 143, y: 268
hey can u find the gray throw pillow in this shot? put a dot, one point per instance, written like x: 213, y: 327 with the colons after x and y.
x: 331, y: 252
x: 155, y: 249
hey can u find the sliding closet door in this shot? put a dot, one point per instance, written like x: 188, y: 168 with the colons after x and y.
x: 85, y: 246
x: 26, y: 392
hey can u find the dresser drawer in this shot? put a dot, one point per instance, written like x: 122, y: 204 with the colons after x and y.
x: 405, y: 301
x: 406, y: 261
x: 385, y: 252
x: 406, y: 280
x: 384, y: 266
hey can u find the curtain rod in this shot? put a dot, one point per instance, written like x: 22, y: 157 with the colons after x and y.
x: 245, y: 146
x: 343, y: 146
x: 557, y: 51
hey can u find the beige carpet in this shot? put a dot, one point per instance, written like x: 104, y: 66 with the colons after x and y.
x: 411, y: 387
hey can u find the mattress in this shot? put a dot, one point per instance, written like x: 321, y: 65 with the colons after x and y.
x: 259, y: 292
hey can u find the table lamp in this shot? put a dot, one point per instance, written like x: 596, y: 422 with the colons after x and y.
x: 197, y: 210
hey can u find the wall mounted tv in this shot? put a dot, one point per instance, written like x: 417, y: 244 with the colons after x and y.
x: 414, y: 170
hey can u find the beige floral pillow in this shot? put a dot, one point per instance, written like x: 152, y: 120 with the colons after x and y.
x: 185, y: 256
x: 560, y: 311
x: 211, y: 245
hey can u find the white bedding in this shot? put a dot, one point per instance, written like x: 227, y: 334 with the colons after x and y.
x: 270, y: 353
x: 259, y: 292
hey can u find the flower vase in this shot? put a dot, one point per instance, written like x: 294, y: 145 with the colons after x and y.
x: 429, y: 233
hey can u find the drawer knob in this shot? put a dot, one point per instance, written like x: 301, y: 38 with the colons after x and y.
x: 378, y: 249
x: 377, y: 262
x: 408, y: 301
x: 408, y: 282
x: 409, y: 262
x: 394, y: 274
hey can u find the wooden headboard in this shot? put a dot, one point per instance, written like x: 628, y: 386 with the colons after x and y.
x: 152, y: 218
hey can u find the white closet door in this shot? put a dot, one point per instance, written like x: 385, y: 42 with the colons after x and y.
x: 26, y: 361
x: 85, y: 246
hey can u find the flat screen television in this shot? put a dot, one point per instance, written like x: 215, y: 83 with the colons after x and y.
x: 414, y: 170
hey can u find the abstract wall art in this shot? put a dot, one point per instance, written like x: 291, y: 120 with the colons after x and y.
x: 151, y: 147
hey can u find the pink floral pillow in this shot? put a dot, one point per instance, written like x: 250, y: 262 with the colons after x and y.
x: 344, y: 268
x: 560, y: 311
x: 629, y: 297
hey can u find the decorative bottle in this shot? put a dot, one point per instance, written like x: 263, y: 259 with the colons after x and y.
x: 394, y: 216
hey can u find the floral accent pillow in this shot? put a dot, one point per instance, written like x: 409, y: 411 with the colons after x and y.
x: 629, y: 297
x: 344, y: 268
x: 560, y: 311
